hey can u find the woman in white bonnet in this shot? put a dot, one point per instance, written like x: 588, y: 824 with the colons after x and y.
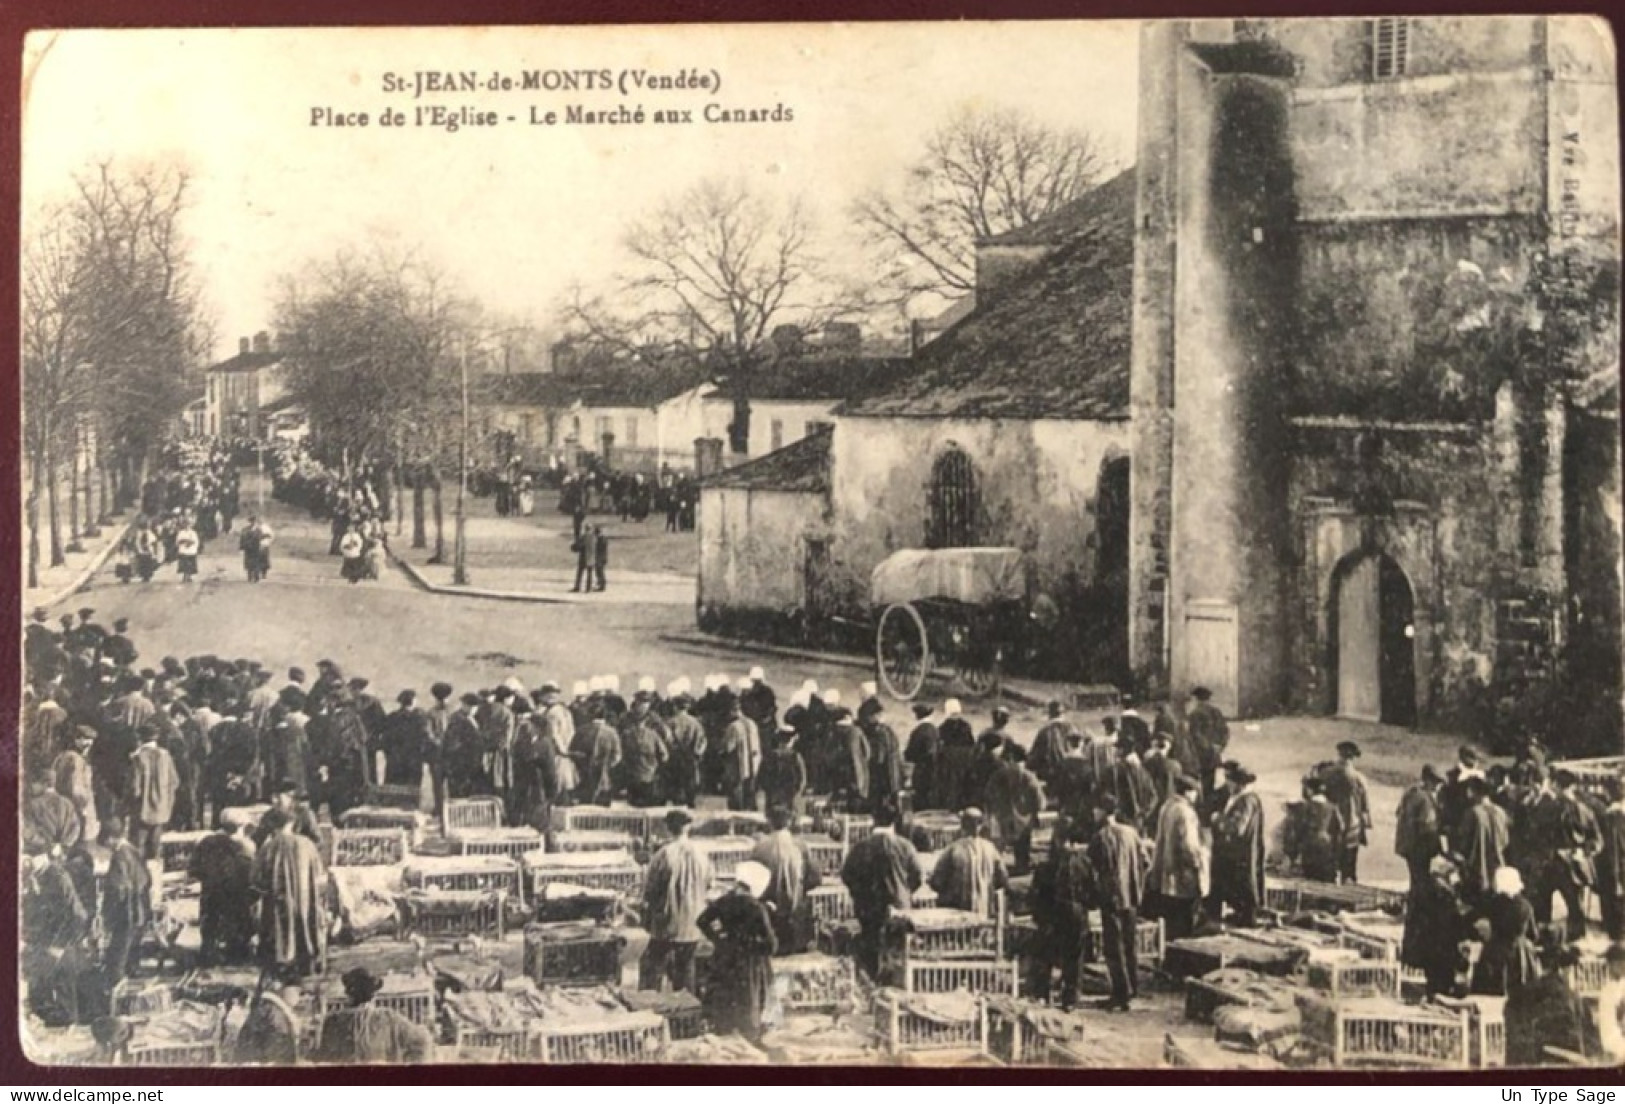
x: 741, y: 976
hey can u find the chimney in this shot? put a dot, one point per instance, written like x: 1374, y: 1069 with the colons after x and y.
x: 262, y: 342
x: 707, y: 456
x: 242, y: 345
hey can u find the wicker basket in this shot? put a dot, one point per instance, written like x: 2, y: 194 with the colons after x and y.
x: 173, y: 1055
x: 450, y: 914
x: 1149, y: 940
x: 900, y: 1028
x: 410, y: 821
x: 634, y: 1037
x: 177, y: 849
x: 368, y: 847
x: 1371, y: 1032
x: 473, y: 813
x: 464, y: 874
x: 828, y: 856
x: 997, y: 978
x: 558, y: 955
x: 511, y: 843
x: 395, y: 797
x: 1486, y: 1028
x: 918, y: 934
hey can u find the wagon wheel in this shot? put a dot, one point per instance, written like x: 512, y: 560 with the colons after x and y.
x: 979, y: 673
x: 976, y: 658
x: 902, y: 651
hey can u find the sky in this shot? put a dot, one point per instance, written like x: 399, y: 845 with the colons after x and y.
x: 518, y: 213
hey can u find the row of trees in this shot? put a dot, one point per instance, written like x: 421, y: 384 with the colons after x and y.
x: 375, y: 342
x: 113, y: 336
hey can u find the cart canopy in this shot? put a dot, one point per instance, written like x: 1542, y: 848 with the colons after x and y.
x: 975, y: 576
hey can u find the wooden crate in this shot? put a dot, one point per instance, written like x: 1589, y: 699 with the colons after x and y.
x: 605, y: 818
x: 464, y: 874
x: 683, y: 1013
x: 828, y: 856
x: 725, y: 852
x: 1595, y: 776
x: 577, y: 840
x: 554, y: 956
x: 1012, y: 1037
x: 917, y: 934
x: 1486, y: 1028
x: 410, y: 821
x: 172, y: 1055
x: 476, y: 813
x: 450, y: 914
x: 1293, y: 895
x: 815, y: 983
x: 1149, y: 940
x: 589, y: 870
x: 1370, y: 947
x: 940, y: 829
x: 137, y: 997
x: 177, y: 849
x: 394, y: 797
x: 1193, y: 958
x: 719, y: 823
x: 997, y: 978
x: 512, y: 843
x: 412, y: 995
x: 1363, y: 978
x: 1588, y: 975
x: 831, y: 902
x: 1376, y: 1032
x: 629, y: 1038
x: 479, y: 1044
x: 901, y: 1029
x: 368, y: 847
x: 1204, y: 997
x: 850, y: 829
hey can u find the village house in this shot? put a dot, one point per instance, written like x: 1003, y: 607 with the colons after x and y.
x: 1376, y: 265
x: 243, y: 392
x: 794, y: 396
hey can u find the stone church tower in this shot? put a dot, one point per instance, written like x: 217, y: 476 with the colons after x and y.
x: 1374, y: 385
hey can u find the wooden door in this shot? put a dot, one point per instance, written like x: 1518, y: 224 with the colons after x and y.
x: 1359, y: 640
x: 1211, y: 652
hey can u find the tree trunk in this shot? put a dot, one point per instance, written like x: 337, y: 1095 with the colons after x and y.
x: 54, y: 514
x: 109, y: 493
x: 92, y: 519
x: 439, y: 523
x: 74, y: 532
x: 739, y: 428
x: 420, y: 539
x: 396, y: 497
x: 38, y: 464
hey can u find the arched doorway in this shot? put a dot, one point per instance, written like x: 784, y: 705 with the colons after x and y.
x: 1374, y: 640
x: 954, y: 503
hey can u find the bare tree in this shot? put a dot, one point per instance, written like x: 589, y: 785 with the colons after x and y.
x: 712, y: 272
x: 984, y: 172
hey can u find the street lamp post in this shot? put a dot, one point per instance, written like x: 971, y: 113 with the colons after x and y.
x: 459, y: 568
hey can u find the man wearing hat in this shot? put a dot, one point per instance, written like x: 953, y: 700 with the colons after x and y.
x: 1133, y: 727
x: 674, y: 895
x: 1346, y: 791
x: 405, y: 741
x: 497, y: 725
x: 291, y: 884
x: 969, y: 871
x: 434, y: 749
x: 270, y: 1032
x: 462, y: 752
x: 741, y: 755
x: 117, y: 646
x: 643, y: 749
x: 687, y: 745
x: 921, y: 757
x: 885, y: 756
x: 1120, y: 873
x: 223, y: 866
x: 1564, y: 841
x: 956, y: 760
x: 126, y: 903
x: 50, y: 822
x: 1480, y: 844
x: 365, y: 1033
x: 72, y: 778
x: 1209, y: 732
x: 1052, y: 744
x: 597, y: 752
x: 1435, y: 927
x: 881, y: 872
x: 1238, y: 849
x: 154, y: 783
x: 758, y: 702
x: 1611, y: 865
x: 558, y: 729
x: 1416, y: 827
x: 792, y: 875
x: 1453, y: 800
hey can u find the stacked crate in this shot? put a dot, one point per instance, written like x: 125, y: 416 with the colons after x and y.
x: 464, y: 873
x: 410, y: 821
x: 725, y: 853
x: 912, y: 1022
x: 944, y: 950
x: 573, y: 954
x: 1486, y: 1028
x: 368, y: 847
x: 808, y: 983
x: 177, y: 849
x: 1382, y: 1033
x: 463, y: 813
x: 577, y: 840
x: 451, y: 914
x: 617, y: 871
x: 513, y: 843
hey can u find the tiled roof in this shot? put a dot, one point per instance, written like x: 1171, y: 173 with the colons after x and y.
x: 1053, y: 343
x: 547, y: 389
x: 247, y: 362
x: 800, y: 466
x: 811, y: 378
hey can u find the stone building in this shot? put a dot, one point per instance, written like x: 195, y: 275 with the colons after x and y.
x: 239, y: 393
x: 1375, y: 346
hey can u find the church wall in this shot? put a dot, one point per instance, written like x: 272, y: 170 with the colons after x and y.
x: 752, y: 552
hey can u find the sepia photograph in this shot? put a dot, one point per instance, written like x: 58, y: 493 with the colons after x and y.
x: 1076, y: 544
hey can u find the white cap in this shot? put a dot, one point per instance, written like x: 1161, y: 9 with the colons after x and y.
x: 579, y: 689
x: 646, y: 684
x: 744, y: 683
x: 596, y: 686
x: 514, y: 684
x: 831, y: 697
x: 810, y: 686
x: 950, y: 708
x: 757, y: 674
x: 682, y: 686
x: 801, y: 698
x: 869, y: 689
x: 612, y: 683
x: 674, y: 687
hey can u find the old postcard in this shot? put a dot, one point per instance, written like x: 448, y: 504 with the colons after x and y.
x: 1075, y: 544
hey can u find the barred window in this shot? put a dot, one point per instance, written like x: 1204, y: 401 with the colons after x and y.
x: 1390, y: 47
x: 954, y: 505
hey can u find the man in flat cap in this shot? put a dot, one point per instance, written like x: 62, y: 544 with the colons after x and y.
x: 970, y: 871
x: 1346, y: 791
x: 674, y: 894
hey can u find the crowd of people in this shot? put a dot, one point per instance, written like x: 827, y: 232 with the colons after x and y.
x: 631, y: 496
x: 193, y: 500
x: 356, y: 506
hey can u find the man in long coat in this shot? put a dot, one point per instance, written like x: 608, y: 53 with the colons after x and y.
x: 1481, y: 841
x: 674, y: 895
x: 1178, y: 879
x: 1346, y: 791
x: 758, y: 702
x: 792, y: 875
x: 1014, y: 799
x: 852, y: 770
x: 597, y: 752
x: 71, y: 774
x: 881, y: 872
x: 643, y: 752
x: 462, y: 754
x: 1416, y: 827
x: 287, y: 746
x: 1209, y: 732
x: 50, y: 822
x: 270, y: 1032
x: 126, y: 905
x: 349, y: 759
x: 290, y: 882
x: 741, y: 756
x: 223, y: 865
x: 154, y: 783
x: 687, y: 747
x: 921, y: 756
x: 956, y: 760
x: 1052, y: 744
x: 1238, y: 850
x: 885, y: 756
x: 969, y: 871
x: 1120, y: 872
